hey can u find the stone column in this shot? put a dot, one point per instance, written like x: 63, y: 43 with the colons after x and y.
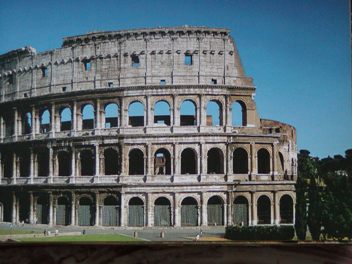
x: 54, y: 209
x: 253, y: 162
x: 53, y: 120
x: 15, y: 130
x: 274, y: 172
x: 31, y: 165
x: 200, y: 114
x: 97, y: 161
x: 254, y: 209
x: 177, y: 162
x: 98, y: 117
x: 149, y: 160
x: 74, y: 118
x: 34, y: 123
x: 31, y: 210
x: 123, y: 210
x: 14, y: 208
x: 97, y: 197
x: 225, y: 213
x: 150, y: 213
x: 276, y: 206
x: 204, y: 220
x: 250, y: 211
x: 73, y: 209
x: 1, y: 169
x: 50, y: 209
x: 176, y: 112
x: 228, y: 111
x: 229, y: 207
x: 202, y: 159
x: 14, y: 167
x: 2, y: 134
x: 148, y: 111
x: 177, y: 210
x: 51, y: 164
x: 73, y: 162
x: 122, y: 112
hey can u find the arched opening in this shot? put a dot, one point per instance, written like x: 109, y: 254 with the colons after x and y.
x: 162, y: 162
x: 136, y: 162
x: 111, y: 162
x: 7, y: 161
x: 9, y: 124
x: 215, y: 211
x: 87, y: 162
x: 42, y: 210
x: 27, y: 123
x: 111, y: 115
x: 214, y: 113
x: 189, y: 212
x: 43, y: 162
x: 88, y: 116
x: 263, y: 161
x: 64, y: 158
x: 25, y: 161
x: 162, y: 113
x: 6, y: 207
x: 264, y: 210
x: 282, y: 163
x: 188, y: 112
x: 44, y: 121
x: 162, y: 212
x: 286, y: 209
x: 240, y: 211
x: 111, y: 211
x: 136, y: 114
x: 85, y: 212
x: 239, y: 114
x: 65, y: 119
x: 63, y: 211
x: 136, y: 212
x: 189, y: 161
x: 215, y: 161
x: 23, y: 206
x: 240, y: 161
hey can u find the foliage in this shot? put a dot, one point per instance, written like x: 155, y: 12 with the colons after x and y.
x: 260, y: 233
x: 301, y: 209
x: 314, y: 209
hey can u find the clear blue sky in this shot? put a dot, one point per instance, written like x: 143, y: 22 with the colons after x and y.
x: 298, y: 52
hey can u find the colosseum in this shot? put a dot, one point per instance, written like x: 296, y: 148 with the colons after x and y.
x: 148, y: 127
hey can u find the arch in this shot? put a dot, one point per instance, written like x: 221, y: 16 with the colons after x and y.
x: 286, y: 209
x: 188, y: 113
x: 64, y: 159
x: 27, y: 123
x: 162, y: 113
x: 42, y: 209
x: 87, y: 159
x: 162, y: 162
x: 240, y: 161
x: 7, y: 162
x: 43, y: 162
x: 162, y: 212
x: 240, y: 211
x: 23, y: 206
x: 9, y: 124
x: 88, y: 116
x: 25, y: 160
x: 63, y: 211
x: 85, y: 212
x: 111, y: 211
x: 135, y: 212
x: 111, y: 115
x: 215, y: 211
x: 136, y: 162
x: 189, y: 212
x: 215, y: 161
x: 264, y: 210
x: 136, y: 114
x: 263, y: 161
x: 189, y: 161
x: 239, y: 114
x: 65, y: 119
x: 45, y: 118
x: 111, y: 162
x: 282, y: 162
x: 214, y: 113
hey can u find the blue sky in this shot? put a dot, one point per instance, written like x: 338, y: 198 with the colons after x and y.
x: 298, y: 52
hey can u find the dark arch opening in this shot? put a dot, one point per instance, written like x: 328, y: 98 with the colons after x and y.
x: 136, y: 162
x: 188, y: 113
x: 214, y: 113
x: 189, y: 161
x: 162, y: 113
x: 27, y: 123
x: 64, y: 158
x: 189, y: 212
x: 45, y: 118
x: 239, y: 114
x: 111, y: 162
x: 215, y: 211
x: 111, y: 115
x: 43, y: 162
x: 88, y: 116
x: 25, y: 160
x: 87, y: 162
x: 162, y: 212
x: 215, y: 161
x: 85, y: 212
x: 286, y: 209
x: 162, y: 162
x: 240, y: 161
x: 63, y: 211
x: 240, y: 212
x: 7, y: 161
x: 42, y: 210
x: 111, y: 211
x: 264, y: 210
x: 65, y: 119
x: 136, y: 212
x: 263, y: 161
x: 136, y: 114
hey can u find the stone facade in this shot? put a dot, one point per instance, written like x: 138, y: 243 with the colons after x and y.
x: 61, y: 164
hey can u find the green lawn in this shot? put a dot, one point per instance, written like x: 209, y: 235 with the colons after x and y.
x: 82, y: 238
x: 14, y: 231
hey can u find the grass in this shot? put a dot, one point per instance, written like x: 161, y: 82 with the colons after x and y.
x: 82, y: 238
x: 15, y: 231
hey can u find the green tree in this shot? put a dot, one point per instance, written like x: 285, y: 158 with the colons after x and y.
x: 314, y: 208
x: 301, y: 209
